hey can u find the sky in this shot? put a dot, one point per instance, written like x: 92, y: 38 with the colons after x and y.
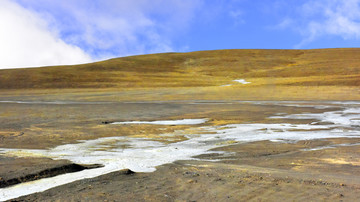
x: 37, y: 33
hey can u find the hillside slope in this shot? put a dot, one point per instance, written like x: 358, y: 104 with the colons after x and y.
x: 204, y: 71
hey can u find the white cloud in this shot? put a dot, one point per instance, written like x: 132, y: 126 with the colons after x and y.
x: 43, y: 32
x: 27, y: 42
x: 237, y: 15
x: 320, y: 18
x: 110, y: 28
x: 284, y: 24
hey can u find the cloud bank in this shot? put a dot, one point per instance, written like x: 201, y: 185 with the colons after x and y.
x: 43, y: 32
x: 26, y: 40
x: 321, y: 18
x: 109, y: 28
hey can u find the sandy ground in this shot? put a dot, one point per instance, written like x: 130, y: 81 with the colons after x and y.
x: 256, y: 171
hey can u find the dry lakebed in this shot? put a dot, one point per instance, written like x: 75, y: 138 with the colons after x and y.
x: 180, y: 150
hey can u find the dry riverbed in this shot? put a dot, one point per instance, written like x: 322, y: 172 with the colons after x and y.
x: 253, y: 177
x: 236, y: 151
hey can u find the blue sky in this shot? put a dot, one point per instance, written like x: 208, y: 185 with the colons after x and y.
x: 54, y: 32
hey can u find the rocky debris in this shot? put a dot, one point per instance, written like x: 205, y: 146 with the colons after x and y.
x: 128, y: 172
x: 191, y: 174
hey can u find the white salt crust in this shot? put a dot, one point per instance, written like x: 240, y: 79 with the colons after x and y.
x: 143, y: 155
x: 242, y: 81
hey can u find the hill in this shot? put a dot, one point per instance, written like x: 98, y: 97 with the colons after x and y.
x: 326, y: 74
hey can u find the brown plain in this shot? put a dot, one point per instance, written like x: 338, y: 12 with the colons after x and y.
x: 322, y: 74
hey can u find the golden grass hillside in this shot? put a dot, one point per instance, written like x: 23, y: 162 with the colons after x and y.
x: 326, y: 74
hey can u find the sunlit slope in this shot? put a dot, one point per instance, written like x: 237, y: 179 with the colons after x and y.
x: 283, y: 72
